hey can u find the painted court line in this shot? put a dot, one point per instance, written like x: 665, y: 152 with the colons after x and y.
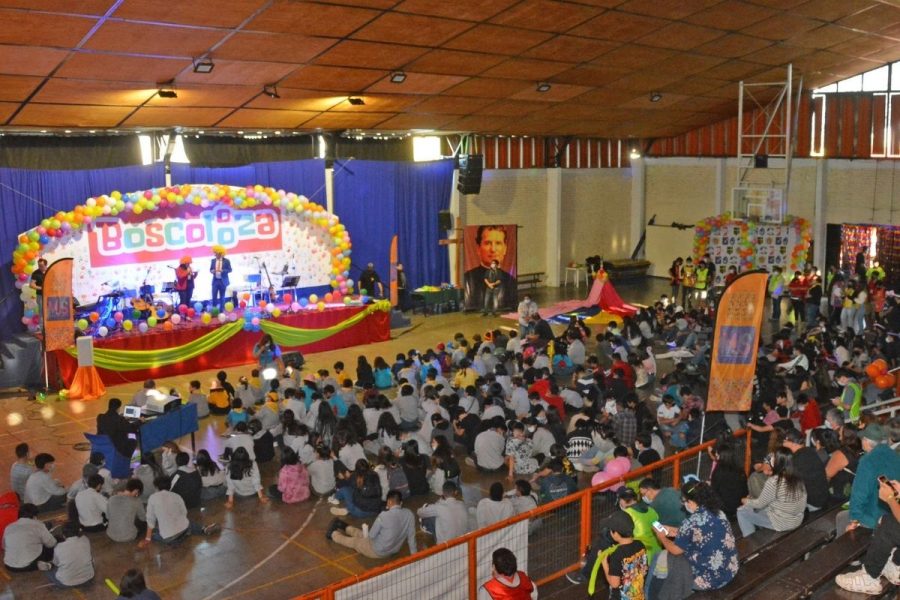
x: 284, y: 545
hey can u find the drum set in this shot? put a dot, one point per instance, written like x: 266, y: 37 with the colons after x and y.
x: 144, y: 300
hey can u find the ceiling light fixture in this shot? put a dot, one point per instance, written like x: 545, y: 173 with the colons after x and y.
x: 271, y: 90
x: 543, y: 87
x: 356, y: 101
x: 167, y: 89
x: 204, y: 65
x: 635, y: 154
x: 655, y: 96
x: 398, y: 77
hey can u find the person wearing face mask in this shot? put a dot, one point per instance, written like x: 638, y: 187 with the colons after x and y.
x: 702, y: 555
x: 527, y: 309
x: 519, y: 451
x: 665, y: 501
x: 42, y: 489
x: 850, y: 400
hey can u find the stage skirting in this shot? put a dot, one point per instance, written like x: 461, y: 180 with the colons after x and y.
x: 182, y: 351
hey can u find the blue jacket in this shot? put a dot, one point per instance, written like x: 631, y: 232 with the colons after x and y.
x: 865, y: 506
x: 226, y: 269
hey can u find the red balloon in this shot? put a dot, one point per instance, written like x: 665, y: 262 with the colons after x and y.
x: 191, y: 312
x: 242, y: 304
x: 183, y: 309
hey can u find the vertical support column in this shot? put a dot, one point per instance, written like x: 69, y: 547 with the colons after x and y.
x: 554, y: 225
x: 819, y: 224
x: 473, y: 567
x: 454, y: 249
x: 720, y: 186
x: 638, y: 199
x: 329, y: 189
x: 586, y: 508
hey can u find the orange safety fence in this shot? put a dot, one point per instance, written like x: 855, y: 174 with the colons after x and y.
x: 557, y: 534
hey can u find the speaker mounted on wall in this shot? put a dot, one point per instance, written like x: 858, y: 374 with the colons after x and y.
x: 445, y: 220
x: 470, y: 169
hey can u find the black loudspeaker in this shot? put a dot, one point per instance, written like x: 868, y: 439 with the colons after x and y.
x: 761, y: 161
x: 294, y: 360
x: 445, y: 220
x: 470, y: 168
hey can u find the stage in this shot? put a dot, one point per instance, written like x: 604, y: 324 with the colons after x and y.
x: 183, y: 350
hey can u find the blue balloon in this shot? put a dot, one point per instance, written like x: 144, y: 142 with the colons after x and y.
x: 111, y: 323
x: 45, y: 239
x: 198, y: 306
x: 161, y: 313
x: 364, y: 299
x: 304, y: 301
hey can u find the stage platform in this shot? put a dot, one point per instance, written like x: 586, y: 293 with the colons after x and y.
x: 188, y: 349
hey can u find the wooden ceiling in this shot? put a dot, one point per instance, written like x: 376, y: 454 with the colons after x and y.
x: 471, y: 65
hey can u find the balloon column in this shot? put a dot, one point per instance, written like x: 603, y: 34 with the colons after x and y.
x: 63, y: 226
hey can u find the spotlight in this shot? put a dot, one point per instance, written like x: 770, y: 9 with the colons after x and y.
x: 167, y: 89
x: 356, y: 101
x: 543, y: 87
x: 204, y: 65
x: 398, y: 77
x: 635, y: 154
x: 271, y: 91
x: 655, y: 96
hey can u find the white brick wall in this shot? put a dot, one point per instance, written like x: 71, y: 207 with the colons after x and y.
x: 513, y: 196
x: 596, y: 214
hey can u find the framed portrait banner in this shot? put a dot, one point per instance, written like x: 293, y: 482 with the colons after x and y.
x: 482, y: 246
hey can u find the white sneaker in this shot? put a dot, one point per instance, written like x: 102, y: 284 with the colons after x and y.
x: 891, y: 571
x: 859, y: 581
x: 365, y: 530
x: 333, y: 500
x: 44, y: 566
x: 339, y: 512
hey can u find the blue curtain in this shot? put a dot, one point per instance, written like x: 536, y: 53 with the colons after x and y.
x: 28, y: 196
x: 377, y: 200
x: 305, y: 177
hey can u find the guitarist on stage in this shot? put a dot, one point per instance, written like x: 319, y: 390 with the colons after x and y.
x: 220, y: 267
x: 184, y: 280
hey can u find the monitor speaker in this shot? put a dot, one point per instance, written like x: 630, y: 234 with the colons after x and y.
x: 84, y: 347
x: 761, y: 161
x: 470, y: 169
x: 445, y: 220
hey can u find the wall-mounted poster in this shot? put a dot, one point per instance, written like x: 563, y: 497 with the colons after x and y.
x: 490, y: 289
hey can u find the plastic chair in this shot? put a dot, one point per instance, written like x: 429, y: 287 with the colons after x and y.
x: 119, y: 466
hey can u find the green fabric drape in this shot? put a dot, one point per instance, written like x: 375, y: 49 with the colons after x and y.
x: 294, y: 336
x: 134, y: 360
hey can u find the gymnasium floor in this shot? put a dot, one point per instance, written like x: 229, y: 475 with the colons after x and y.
x: 268, y: 551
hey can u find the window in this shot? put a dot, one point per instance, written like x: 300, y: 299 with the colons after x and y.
x: 876, y: 80
x: 426, y: 148
x: 853, y: 84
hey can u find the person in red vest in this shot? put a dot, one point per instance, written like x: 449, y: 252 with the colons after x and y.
x: 507, y: 582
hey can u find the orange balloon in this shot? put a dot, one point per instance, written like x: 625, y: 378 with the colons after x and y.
x: 167, y: 326
x: 881, y: 365
x: 885, y: 381
x: 873, y: 371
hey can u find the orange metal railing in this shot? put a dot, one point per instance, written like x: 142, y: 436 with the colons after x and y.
x: 583, y: 498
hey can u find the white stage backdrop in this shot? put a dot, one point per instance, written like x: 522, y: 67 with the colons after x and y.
x: 124, y: 253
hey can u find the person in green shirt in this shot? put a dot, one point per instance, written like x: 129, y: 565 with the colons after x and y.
x: 776, y: 291
x: 665, y: 501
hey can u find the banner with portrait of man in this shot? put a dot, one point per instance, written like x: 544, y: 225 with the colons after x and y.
x: 490, y: 267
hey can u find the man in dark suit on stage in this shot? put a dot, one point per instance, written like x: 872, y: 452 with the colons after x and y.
x: 220, y: 267
x: 492, y: 246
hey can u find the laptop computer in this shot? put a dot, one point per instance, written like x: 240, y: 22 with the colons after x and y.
x: 132, y: 412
